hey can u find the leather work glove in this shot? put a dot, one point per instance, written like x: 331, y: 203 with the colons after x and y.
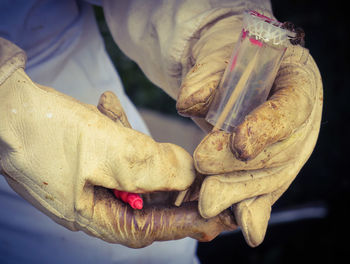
x: 63, y: 156
x: 252, y: 167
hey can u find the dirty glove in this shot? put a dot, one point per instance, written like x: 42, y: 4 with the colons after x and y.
x: 188, y: 43
x: 63, y: 156
x: 252, y: 167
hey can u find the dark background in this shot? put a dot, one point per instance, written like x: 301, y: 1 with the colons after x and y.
x: 323, y: 180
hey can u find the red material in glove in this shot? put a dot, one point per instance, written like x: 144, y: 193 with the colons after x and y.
x: 133, y: 199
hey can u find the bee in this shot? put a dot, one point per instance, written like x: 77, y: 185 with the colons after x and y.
x: 300, y: 34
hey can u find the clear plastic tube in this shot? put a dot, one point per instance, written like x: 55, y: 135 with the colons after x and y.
x: 248, y: 78
x: 251, y: 71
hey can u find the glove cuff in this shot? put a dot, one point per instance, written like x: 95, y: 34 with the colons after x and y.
x: 11, y: 58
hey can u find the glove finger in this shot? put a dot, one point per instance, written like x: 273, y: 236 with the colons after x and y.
x: 221, y: 191
x: 132, y: 161
x: 210, y: 54
x: 214, y: 155
x: 253, y: 215
x: 118, y: 223
x: 290, y: 105
x: 199, y: 85
x: 110, y: 106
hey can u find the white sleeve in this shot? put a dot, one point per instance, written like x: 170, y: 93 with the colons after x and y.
x: 158, y: 34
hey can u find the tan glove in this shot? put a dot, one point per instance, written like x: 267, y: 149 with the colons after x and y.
x: 251, y: 168
x: 63, y: 156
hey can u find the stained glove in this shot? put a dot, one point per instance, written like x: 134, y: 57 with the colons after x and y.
x: 252, y: 167
x: 63, y: 156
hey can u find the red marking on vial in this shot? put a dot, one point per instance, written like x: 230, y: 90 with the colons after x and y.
x: 256, y: 42
x: 255, y: 13
x: 233, y: 64
x: 244, y: 33
x: 265, y: 18
x: 133, y: 199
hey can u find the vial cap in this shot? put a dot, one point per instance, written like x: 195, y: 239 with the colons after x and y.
x: 266, y: 29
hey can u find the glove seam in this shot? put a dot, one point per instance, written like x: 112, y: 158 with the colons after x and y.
x: 244, y: 224
x: 13, y: 59
x: 17, y: 62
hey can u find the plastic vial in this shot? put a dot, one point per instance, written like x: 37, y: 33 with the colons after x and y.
x: 248, y: 78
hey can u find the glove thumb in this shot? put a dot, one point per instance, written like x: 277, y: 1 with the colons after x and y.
x: 252, y: 215
x: 110, y: 106
x: 136, y: 162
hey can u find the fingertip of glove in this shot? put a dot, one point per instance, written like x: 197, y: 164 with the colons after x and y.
x: 213, y: 154
x: 195, y: 104
x: 206, y: 202
x: 197, y: 91
x: 184, y: 108
x: 247, y: 141
x: 252, y: 216
x: 212, y: 201
x: 242, y: 150
x: 186, y: 170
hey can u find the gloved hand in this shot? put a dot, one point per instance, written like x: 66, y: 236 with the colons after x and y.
x: 63, y: 156
x: 253, y: 166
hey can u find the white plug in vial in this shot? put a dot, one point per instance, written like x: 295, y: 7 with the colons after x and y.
x: 249, y: 76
